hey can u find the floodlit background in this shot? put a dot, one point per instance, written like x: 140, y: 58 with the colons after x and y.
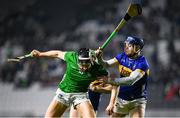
x: 26, y: 88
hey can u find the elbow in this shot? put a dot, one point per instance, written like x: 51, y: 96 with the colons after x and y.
x: 56, y: 55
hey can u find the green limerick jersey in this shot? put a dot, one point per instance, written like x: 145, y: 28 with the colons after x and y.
x: 74, y: 80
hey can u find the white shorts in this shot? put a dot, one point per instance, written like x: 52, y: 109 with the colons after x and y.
x: 124, y: 106
x: 69, y: 99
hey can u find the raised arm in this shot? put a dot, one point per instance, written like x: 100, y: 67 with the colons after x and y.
x: 105, y: 63
x: 52, y: 53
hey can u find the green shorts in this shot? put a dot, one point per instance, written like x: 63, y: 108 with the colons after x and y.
x: 124, y: 106
x: 69, y: 99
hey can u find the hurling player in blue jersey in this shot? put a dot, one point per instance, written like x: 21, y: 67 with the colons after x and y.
x: 129, y: 93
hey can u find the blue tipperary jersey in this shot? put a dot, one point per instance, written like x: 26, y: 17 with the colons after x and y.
x: 126, y: 66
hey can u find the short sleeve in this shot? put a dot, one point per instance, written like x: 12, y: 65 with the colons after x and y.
x: 69, y: 56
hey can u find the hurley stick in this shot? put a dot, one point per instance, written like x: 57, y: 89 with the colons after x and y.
x: 133, y: 10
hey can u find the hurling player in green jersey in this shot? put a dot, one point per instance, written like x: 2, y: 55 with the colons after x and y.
x: 81, y: 70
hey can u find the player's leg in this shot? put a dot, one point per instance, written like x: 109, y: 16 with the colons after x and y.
x: 83, y: 105
x: 138, y: 111
x: 95, y: 99
x: 55, y: 109
x: 86, y: 109
x: 73, y: 112
x: 139, y: 106
x: 58, y: 105
x: 120, y: 108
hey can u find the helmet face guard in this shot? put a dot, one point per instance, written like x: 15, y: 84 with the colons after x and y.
x: 84, y: 62
x: 135, y: 41
x: 133, y: 46
x: 84, y: 59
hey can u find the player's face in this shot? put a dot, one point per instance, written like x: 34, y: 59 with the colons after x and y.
x: 84, y: 65
x: 129, y: 49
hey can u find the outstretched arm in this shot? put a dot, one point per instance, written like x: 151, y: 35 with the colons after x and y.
x: 52, y: 53
x: 133, y: 78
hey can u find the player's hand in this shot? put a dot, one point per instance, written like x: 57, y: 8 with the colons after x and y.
x: 35, y: 53
x: 103, y: 80
x: 109, y: 109
x: 93, y: 85
x: 99, y: 53
x: 96, y: 84
x: 100, y: 78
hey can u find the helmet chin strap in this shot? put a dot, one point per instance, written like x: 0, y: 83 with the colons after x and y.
x: 137, y: 51
x: 136, y: 54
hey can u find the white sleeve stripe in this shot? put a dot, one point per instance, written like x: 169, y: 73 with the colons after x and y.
x: 133, y: 78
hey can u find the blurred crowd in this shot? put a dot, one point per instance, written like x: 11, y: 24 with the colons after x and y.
x: 30, y: 26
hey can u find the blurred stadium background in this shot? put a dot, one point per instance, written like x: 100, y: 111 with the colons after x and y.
x: 26, y: 88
